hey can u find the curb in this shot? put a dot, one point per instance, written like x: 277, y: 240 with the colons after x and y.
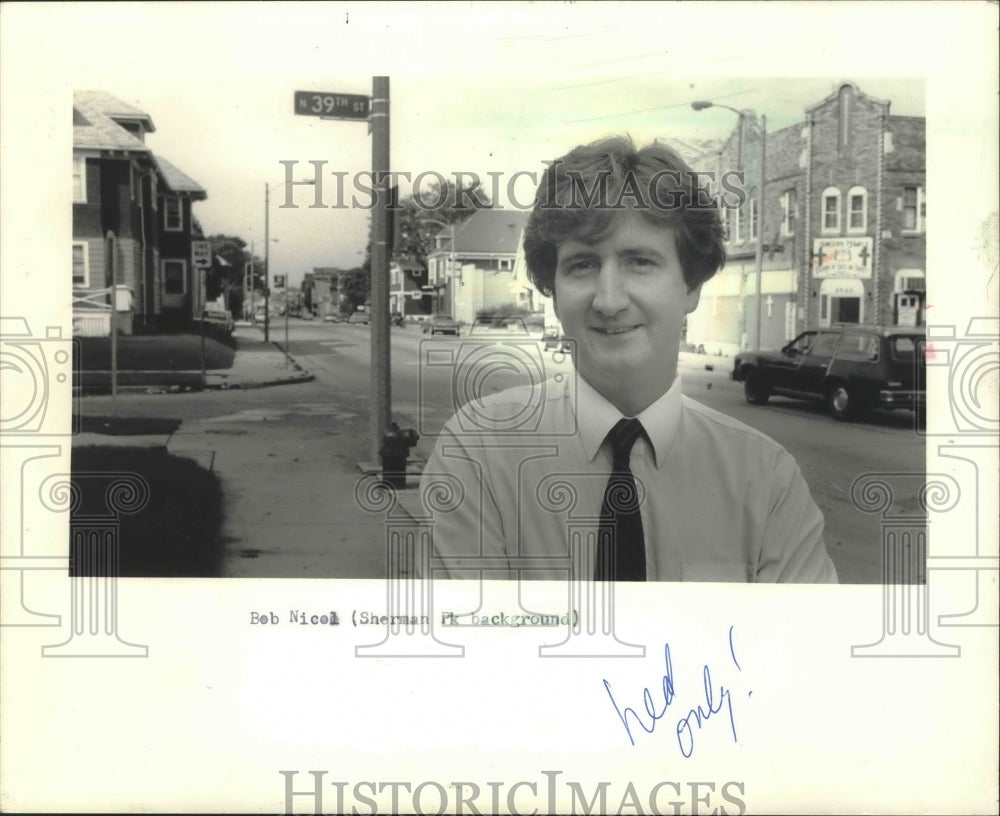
x: 246, y: 386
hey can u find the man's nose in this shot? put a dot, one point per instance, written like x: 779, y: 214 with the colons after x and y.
x: 610, y: 296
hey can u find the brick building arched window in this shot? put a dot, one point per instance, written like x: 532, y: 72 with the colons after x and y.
x: 857, y: 209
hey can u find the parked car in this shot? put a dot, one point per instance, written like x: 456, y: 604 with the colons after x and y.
x: 854, y: 369
x: 441, y: 324
x: 217, y: 321
x: 359, y: 317
x: 333, y: 317
x: 489, y: 326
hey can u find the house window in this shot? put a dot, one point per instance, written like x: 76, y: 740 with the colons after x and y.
x: 505, y: 265
x: 79, y: 180
x: 831, y: 210
x: 857, y: 200
x: 174, y: 277
x: 914, y: 209
x: 81, y: 265
x: 788, y: 213
x: 172, y: 219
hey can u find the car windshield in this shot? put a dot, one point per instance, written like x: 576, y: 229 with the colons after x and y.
x: 442, y: 318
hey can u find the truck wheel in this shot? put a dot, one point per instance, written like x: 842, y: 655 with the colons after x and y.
x: 841, y: 403
x: 756, y: 389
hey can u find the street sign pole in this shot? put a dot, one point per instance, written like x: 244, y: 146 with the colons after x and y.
x: 267, y: 264
x: 380, y: 361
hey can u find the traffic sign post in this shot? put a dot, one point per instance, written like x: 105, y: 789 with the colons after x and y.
x: 380, y: 236
x: 328, y: 105
x: 201, y: 260
x: 373, y: 109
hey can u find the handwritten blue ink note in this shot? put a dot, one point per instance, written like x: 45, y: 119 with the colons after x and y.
x: 691, y: 716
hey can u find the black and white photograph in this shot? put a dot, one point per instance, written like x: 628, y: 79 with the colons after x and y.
x: 410, y: 347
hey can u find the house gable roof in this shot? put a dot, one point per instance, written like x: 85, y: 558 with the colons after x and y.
x: 492, y: 231
x: 96, y: 125
x: 178, y: 181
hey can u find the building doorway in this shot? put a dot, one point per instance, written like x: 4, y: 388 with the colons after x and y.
x: 841, y: 301
x: 908, y: 309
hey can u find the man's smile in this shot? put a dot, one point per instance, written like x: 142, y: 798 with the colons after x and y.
x: 614, y: 330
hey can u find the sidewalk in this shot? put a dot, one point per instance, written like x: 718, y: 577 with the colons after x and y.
x: 289, y: 493
x: 288, y: 476
x: 719, y: 363
x: 255, y: 365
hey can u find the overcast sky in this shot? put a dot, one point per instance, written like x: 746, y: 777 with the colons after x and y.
x: 474, y: 88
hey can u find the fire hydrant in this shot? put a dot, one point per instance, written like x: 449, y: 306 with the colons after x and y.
x: 395, y: 447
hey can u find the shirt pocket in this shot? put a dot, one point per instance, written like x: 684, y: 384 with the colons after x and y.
x: 727, y: 572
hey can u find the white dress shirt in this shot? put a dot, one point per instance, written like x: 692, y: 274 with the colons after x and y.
x: 722, y: 501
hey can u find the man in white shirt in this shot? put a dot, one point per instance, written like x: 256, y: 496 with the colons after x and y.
x: 615, y: 467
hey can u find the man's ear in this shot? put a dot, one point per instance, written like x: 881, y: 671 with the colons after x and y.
x: 692, y: 299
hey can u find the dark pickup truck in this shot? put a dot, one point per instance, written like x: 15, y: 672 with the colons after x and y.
x: 854, y: 369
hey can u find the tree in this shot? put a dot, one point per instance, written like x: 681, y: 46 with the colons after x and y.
x: 438, y: 203
x: 355, y: 287
x: 228, y: 277
x: 418, y: 215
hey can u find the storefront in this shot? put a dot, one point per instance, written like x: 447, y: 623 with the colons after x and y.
x: 842, y: 266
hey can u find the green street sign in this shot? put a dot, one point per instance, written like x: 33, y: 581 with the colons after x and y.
x: 332, y: 105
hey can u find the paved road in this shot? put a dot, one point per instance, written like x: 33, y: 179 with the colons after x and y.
x: 831, y: 454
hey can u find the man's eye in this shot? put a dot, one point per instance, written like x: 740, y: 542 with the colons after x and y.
x: 579, y: 266
x: 642, y: 263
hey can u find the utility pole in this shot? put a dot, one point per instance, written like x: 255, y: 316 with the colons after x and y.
x: 267, y: 266
x: 380, y: 360
x: 248, y: 297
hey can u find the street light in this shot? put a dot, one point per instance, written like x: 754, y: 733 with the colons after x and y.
x: 702, y: 104
x: 267, y: 268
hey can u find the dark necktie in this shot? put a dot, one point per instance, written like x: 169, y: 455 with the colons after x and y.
x: 621, y: 550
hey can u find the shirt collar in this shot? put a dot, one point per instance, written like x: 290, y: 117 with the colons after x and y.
x: 596, y: 416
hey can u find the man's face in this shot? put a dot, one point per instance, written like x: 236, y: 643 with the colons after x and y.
x: 623, y: 300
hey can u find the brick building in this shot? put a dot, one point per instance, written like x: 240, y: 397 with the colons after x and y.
x: 843, y: 226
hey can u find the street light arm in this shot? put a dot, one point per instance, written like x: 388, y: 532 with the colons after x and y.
x: 703, y: 104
